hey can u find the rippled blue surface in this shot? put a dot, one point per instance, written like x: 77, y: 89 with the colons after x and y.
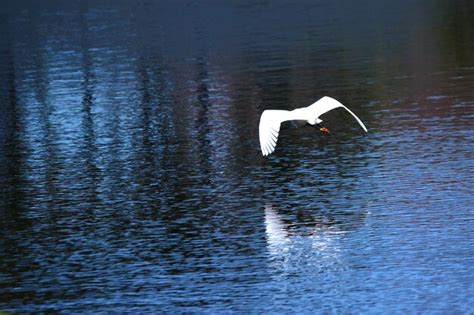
x: 131, y: 178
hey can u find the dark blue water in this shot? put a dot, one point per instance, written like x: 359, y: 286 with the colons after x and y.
x: 131, y: 178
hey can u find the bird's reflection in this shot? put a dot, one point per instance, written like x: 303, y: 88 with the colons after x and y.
x: 308, y: 241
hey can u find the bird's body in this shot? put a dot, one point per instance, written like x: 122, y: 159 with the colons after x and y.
x: 271, y: 120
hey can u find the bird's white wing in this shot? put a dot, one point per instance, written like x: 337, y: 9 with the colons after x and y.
x: 269, y: 128
x: 326, y: 104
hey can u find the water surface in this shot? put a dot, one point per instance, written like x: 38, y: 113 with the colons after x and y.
x: 131, y: 177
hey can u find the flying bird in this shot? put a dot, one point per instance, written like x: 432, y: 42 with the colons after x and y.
x: 271, y: 120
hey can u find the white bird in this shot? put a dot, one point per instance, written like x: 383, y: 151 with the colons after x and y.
x: 271, y: 120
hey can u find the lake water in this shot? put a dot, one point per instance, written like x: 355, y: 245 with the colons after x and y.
x: 131, y: 178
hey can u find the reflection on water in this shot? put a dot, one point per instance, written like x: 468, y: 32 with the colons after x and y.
x: 310, y: 242
x: 131, y: 177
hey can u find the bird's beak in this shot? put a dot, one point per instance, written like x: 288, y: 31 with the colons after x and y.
x: 324, y: 130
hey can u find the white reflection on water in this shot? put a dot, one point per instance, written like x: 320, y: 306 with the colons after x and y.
x: 310, y: 244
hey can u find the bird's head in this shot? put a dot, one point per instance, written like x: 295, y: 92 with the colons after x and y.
x: 324, y: 130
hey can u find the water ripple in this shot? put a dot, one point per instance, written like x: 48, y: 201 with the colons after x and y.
x: 131, y: 178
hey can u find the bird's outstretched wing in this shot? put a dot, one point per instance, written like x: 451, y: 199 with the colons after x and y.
x: 326, y: 104
x: 269, y: 128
